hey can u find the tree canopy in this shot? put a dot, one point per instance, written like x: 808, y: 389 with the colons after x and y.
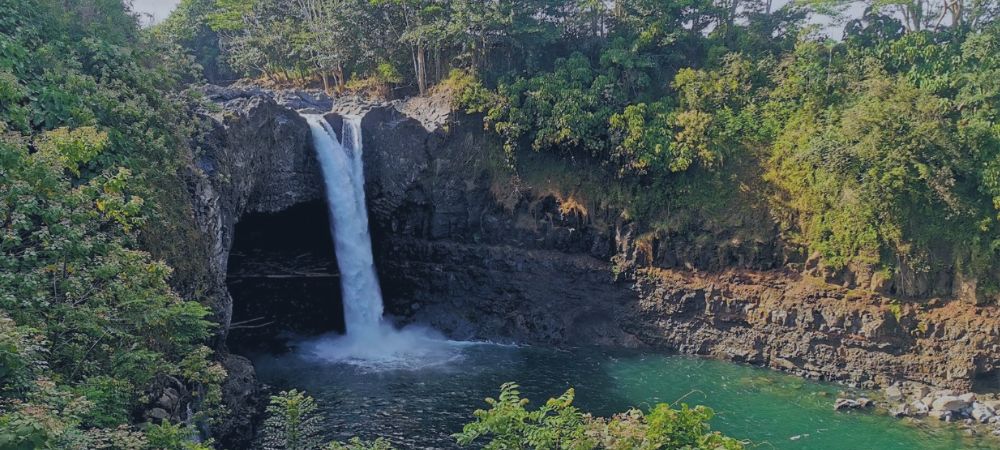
x: 876, y: 151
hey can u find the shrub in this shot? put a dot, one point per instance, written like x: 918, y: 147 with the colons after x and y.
x: 558, y: 424
x: 292, y: 423
x: 167, y: 436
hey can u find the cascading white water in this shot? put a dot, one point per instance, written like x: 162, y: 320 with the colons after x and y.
x: 343, y: 173
x: 370, y: 342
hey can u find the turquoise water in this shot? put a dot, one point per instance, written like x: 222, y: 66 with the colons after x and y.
x: 421, y: 408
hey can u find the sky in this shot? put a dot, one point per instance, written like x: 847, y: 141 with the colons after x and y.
x: 158, y: 9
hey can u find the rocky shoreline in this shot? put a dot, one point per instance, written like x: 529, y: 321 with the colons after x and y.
x: 977, y: 414
x: 918, y: 400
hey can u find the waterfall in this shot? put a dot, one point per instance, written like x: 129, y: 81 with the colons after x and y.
x: 343, y: 174
x: 370, y: 341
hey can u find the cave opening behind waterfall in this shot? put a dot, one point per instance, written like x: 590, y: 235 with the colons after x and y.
x: 283, y: 276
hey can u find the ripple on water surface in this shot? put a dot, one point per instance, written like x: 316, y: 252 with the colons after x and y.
x: 421, y: 407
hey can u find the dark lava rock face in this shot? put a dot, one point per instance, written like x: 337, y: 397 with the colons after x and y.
x: 252, y: 155
x: 473, y: 260
x: 462, y: 249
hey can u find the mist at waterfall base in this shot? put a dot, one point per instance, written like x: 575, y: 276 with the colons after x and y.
x: 370, y: 341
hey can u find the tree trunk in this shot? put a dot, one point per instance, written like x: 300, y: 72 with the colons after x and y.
x: 341, y: 82
x: 437, y: 64
x: 413, y: 60
x: 326, y: 81
x: 421, y: 68
x: 475, y: 58
x: 731, y: 20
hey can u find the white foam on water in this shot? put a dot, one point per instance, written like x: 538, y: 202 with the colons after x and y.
x: 409, y: 348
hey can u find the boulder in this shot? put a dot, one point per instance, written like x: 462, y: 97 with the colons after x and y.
x: 992, y: 404
x: 900, y: 410
x: 307, y: 100
x: 949, y: 403
x: 982, y: 413
x: 918, y: 408
x: 894, y: 393
x: 157, y: 415
x: 168, y: 400
x: 850, y: 403
x: 919, y: 390
x: 242, y: 396
x: 944, y: 393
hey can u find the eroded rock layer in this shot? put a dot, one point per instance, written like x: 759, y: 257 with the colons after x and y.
x: 476, y: 261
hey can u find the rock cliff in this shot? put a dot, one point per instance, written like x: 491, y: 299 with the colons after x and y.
x: 461, y: 248
x: 474, y: 261
x: 252, y: 155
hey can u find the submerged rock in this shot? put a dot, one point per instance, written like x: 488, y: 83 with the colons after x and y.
x: 850, y: 403
x: 844, y: 403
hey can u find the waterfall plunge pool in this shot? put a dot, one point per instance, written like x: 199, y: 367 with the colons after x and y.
x: 421, y: 408
x: 415, y: 388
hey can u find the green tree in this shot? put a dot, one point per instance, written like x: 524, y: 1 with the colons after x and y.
x: 292, y: 423
x: 92, y: 116
x: 188, y: 27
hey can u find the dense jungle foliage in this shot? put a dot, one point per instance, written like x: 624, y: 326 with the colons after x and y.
x: 92, y: 125
x: 877, y: 150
